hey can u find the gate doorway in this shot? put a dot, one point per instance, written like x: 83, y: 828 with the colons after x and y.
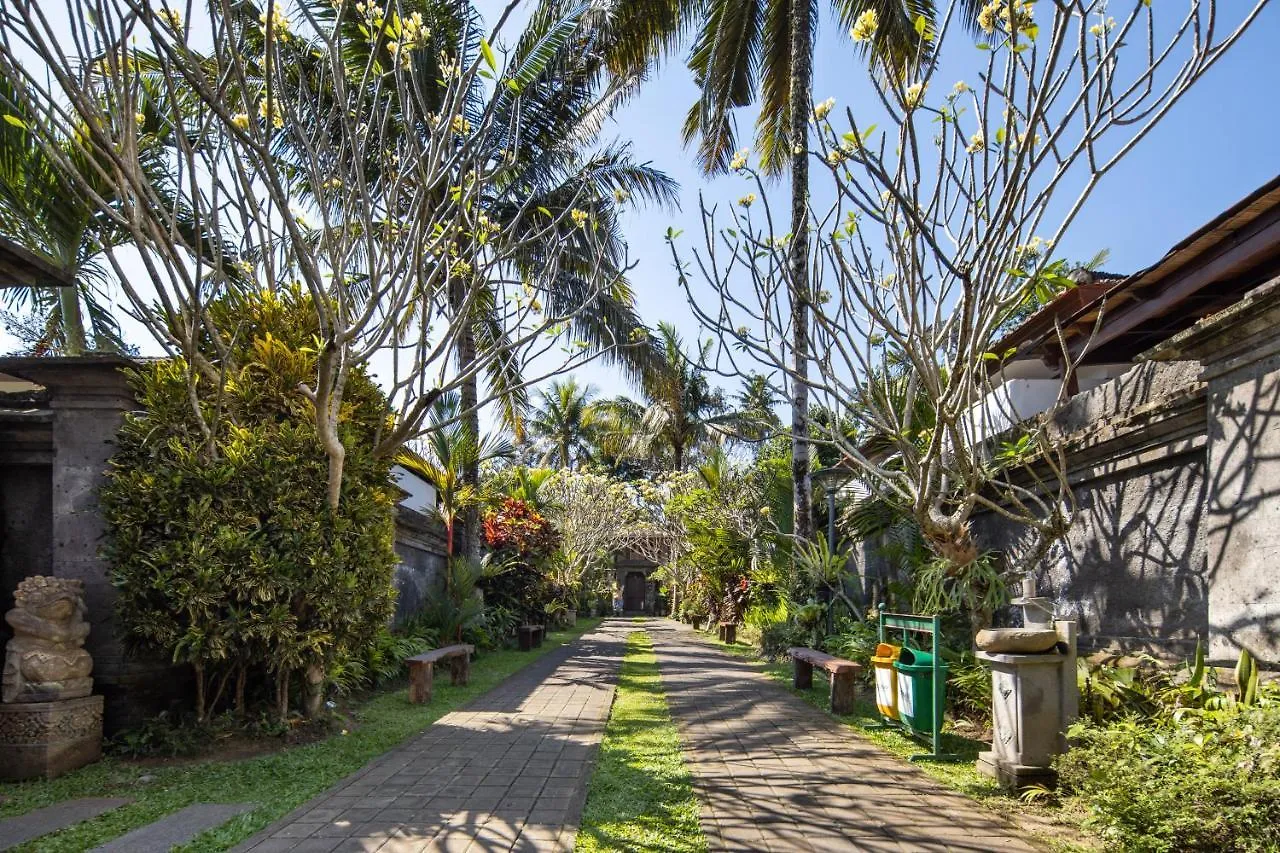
x: 633, y: 593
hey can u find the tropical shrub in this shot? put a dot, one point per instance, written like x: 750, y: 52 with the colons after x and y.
x: 224, y: 549
x: 1194, y: 781
x: 522, y: 539
x: 517, y: 528
x: 383, y: 660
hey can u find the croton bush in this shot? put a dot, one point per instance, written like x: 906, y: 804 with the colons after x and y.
x: 522, y: 540
x: 223, y: 547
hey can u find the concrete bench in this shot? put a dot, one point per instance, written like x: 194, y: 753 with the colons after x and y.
x: 422, y: 669
x: 530, y: 636
x: 728, y: 632
x: 841, y: 673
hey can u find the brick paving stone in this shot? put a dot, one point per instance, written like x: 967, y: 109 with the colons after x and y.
x: 507, y: 772
x: 774, y: 773
x: 16, y: 830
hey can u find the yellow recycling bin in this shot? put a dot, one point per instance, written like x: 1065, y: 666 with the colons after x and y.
x: 886, y: 678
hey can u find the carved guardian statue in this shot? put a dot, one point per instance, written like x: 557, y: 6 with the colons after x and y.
x: 45, y: 661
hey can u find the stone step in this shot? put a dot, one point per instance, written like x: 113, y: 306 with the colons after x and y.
x: 16, y: 830
x: 175, y: 829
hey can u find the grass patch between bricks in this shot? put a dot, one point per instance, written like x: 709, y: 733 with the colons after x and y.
x: 275, y: 783
x: 641, y: 796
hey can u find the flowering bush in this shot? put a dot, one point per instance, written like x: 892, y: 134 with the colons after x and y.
x: 516, y: 526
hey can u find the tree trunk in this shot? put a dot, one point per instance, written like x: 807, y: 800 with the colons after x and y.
x: 468, y: 397
x: 315, y: 690
x: 72, y: 321
x: 801, y: 108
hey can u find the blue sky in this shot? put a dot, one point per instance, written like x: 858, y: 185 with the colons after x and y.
x: 1219, y: 143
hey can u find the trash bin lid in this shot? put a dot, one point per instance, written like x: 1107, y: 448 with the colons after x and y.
x: 915, y: 660
x: 886, y: 653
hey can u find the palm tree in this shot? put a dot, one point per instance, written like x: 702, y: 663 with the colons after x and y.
x: 680, y: 413
x: 548, y: 133
x: 40, y: 212
x: 564, y: 425
x: 557, y: 164
x: 449, y: 449
x: 749, y: 50
x: 757, y: 421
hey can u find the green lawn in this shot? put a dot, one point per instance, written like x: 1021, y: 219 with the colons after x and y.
x: 641, y: 796
x: 277, y: 783
x: 1049, y: 825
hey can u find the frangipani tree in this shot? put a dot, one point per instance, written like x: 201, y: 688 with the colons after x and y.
x: 595, y: 515
x: 946, y: 201
x: 280, y: 135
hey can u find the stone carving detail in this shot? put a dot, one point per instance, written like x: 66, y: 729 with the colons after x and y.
x: 45, y: 661
x: 46, y: 724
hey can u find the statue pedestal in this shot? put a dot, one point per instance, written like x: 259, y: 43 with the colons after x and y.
x: 47, y: 739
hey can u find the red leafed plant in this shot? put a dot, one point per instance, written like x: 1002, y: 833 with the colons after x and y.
x: 515, y: 526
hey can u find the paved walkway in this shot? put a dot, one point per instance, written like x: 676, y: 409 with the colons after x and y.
x: 507, y: 772
x: 774, y: 773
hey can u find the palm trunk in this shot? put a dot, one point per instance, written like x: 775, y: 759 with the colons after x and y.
x: 801, y: 107
x: 72, y: 321
x: 469, y: 395
x: 471, y: 466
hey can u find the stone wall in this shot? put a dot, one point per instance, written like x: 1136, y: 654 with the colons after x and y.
x: 1239, y: 351
x: 420, y: 544
x: 51, y: 523
x: 1132, y: 569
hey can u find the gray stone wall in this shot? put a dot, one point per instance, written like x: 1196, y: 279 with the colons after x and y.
x: 83, y: 406
x: 420, y: 544
x: 1239, y: 350
x: 1132, y: 570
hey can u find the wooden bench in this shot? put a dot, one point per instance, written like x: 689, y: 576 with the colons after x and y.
x: 422, y: 669
x: 530, y: 636
x: 729, y: 632
x: 842, y: 673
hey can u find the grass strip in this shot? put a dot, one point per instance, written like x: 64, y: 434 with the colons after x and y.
x: 1047, y: 824
x: 641, y: 796
x: 276, y: 783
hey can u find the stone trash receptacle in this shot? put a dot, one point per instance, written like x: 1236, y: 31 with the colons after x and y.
x: 50, y: 723
x: 1034, y: 693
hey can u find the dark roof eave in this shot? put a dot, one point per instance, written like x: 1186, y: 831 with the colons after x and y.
x: 20, y: 267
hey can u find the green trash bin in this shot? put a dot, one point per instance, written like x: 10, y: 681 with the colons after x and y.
x: 915, y: 688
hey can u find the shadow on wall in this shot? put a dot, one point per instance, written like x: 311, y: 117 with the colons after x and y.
x: 1243, y: 516
x: 1133, y: 568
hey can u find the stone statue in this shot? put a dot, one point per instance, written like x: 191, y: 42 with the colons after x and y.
x: 45, y: 661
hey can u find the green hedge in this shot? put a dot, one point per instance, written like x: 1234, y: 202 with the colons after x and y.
x: 223, y: 547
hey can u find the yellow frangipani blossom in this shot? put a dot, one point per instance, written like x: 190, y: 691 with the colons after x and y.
x: 747, y: 200
x: 579, y: 217
x: 267, y: 108
x: 460, y: 126
x: 241, y: 120
x: 913, y: 96
x: 172, y: 17
x: 739, y: 160
x: 960, y: 87
x: 822, y: 110
x: 976, y: 143
x: 864, y: 29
